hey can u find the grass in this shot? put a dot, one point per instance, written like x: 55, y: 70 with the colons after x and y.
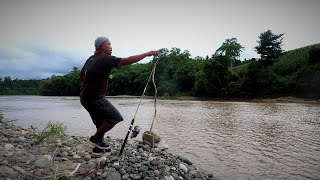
x: 51, y: 131
x: 293, y: 60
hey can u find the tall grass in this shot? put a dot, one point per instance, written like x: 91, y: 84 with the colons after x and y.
x: 51, y: 131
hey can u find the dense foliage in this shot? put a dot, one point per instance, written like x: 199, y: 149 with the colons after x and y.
x: 295, y: 73
x: 18, y: 87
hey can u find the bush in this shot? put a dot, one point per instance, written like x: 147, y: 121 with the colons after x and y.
x: 52, y: 130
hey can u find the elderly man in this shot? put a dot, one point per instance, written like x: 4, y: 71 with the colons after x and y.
x: 94, y: 77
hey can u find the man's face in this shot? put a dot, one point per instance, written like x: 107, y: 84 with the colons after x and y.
x: 106, y: 47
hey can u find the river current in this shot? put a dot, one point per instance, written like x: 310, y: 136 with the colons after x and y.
x: 232, y: 140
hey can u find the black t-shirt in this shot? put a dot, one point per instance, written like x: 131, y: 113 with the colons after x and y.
x: 97, y: 70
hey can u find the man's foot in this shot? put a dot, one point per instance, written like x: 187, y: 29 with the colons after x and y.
x: 98, y: 150
x: 98, y: 143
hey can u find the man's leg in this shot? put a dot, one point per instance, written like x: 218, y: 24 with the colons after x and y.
x: 104, y: 127
x: 104, y: 111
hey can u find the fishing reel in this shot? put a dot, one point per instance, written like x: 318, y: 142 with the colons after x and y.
x: 135, y: 131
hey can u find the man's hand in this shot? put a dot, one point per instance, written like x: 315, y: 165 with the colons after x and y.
x: 136, y: 58
x: 152, y: 53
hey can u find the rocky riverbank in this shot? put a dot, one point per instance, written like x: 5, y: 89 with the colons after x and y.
x: 72, y: 158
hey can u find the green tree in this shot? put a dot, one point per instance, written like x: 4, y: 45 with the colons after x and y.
x: 269, y: 45
x: 231, y: 49
x: 185, y: 76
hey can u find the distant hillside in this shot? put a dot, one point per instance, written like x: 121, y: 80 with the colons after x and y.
x: 293, y: 60
x: 296, y: 73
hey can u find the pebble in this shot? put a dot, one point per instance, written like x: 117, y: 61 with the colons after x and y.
x: 58, y: 144
x: 156, y: 172
x: 175, y: 176
x: 155, y: 162
x: 193, y: 173
x: 135, y: 176
x: 8, y: 154
x: 6, y: 171
x: 144, y: 154
x: 122, y: 171
x: 168, y: 178
x: 8, y: 146
x: 145, y: 163
x: 21, y: 139
x: 187, y: 161
x: 125, y: 176
x: 87, y: 157
x: 43, y: 161
x: 183, y: 168
x: 19, y: 169
x: 64, y: 154
x: 186, y: 176
x: 117, y: 167
x: 76, y: 156
x: 104, y: 174
x: 146, y: 147
x: 143, y: 168
x: 113, y: 176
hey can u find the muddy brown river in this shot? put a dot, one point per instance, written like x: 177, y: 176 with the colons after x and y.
x: 232, y: 140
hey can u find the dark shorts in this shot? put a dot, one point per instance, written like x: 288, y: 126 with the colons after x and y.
x: 101, y: 110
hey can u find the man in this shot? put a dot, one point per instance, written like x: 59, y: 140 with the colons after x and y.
x: 94, y: 85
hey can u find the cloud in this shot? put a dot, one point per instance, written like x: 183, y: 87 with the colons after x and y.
x: 34, y: 61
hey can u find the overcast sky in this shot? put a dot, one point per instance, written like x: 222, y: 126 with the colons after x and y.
x: 39, y: 38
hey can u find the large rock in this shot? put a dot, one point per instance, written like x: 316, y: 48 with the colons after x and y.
x: 44, y: 161
x: 156, y: 138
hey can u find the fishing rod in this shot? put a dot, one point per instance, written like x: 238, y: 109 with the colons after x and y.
x: 133, y: 119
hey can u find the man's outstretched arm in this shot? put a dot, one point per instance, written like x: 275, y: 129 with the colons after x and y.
x: 136, y: 58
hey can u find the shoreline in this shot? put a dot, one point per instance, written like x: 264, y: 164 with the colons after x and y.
x: 71, y: 157
x: 282, y: 99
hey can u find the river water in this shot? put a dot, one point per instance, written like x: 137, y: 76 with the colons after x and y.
x: 232, y: 140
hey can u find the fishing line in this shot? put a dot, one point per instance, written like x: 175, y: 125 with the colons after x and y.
x: 143, y: 94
